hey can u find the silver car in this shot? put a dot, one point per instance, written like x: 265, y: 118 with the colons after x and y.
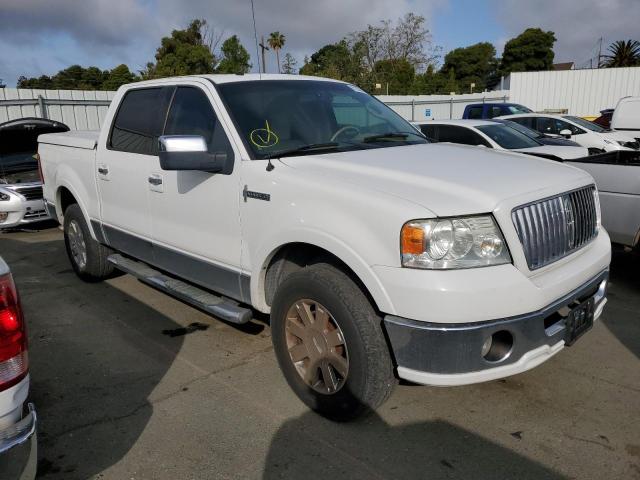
x: 21, y: 199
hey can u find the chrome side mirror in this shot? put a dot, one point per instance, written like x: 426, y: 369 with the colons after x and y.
x: 190, y: 152
x: 182, y: 143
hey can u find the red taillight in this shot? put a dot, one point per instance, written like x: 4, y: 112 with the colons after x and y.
x: 37, y: 157
x: 14, y: 362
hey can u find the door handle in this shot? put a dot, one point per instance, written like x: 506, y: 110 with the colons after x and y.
x: 103, y: 170
x: 155, y: 180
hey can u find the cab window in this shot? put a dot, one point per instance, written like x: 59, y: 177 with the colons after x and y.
x: 139, y: 120
x: 191, y: 113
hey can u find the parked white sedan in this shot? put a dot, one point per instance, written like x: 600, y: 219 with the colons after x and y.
x: 499, y: 136
x: 581, y: 131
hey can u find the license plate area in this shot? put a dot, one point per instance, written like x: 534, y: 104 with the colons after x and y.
x: 579, y: 320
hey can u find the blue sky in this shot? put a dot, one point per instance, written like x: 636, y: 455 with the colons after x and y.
x: 43, y: 36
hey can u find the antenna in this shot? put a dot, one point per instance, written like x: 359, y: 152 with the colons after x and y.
x: 255, y: 36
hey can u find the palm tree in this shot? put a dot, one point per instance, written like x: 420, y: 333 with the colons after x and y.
x: 276, y: 42
x: 623, y: 54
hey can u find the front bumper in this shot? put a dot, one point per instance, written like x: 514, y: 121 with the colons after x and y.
x: 21, y: 211
x: 19, y: 448
x: 451, y: 354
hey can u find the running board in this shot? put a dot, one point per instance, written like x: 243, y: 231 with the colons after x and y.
x: 221, y: 307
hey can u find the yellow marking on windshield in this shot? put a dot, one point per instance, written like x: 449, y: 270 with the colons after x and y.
x: 264, y: 137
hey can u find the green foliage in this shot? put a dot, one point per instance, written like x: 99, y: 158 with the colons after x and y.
x: 398, y: 75
x: 337, y: 60
x: 474, y: 64
x: 235, y: 58
x: 532, y: 50
x: 623, y: 54
x: 78, y: 78
x: 185, y: 52
x: 289, y: 64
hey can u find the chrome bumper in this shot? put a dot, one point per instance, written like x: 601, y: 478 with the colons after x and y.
x: 452, y: 354
x: 19, y: 448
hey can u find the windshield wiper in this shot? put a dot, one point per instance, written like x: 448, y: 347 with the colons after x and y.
x: 391, y: 135
x: 312, y: 147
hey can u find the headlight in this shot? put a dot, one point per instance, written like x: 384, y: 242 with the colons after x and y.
x: 4, y: 197
x: 596, y: 201
x: 448, y: 243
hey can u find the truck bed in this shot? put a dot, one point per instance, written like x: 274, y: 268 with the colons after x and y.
x: 87, y: 139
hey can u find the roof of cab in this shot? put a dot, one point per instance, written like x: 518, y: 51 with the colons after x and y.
x: 219, y: 79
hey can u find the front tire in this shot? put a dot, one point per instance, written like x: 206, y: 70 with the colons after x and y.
x: 88, y: 257
x: 329, y: 343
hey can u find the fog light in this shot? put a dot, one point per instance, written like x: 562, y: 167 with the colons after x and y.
x: 3, y: 216
x: 497, y: 347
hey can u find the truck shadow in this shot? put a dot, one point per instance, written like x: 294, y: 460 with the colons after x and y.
x: 622, y: 316
x: 310, y: 447
x: 96, y: 355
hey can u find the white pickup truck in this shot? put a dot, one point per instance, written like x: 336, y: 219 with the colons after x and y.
x: 376, y: 254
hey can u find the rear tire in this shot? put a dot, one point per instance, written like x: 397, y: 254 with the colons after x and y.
x: 337, y: 361
x: 88, y: 257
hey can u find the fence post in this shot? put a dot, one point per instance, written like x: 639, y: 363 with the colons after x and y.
x: 451, y: 109
x: 413, y: 109
x: 43, y: 109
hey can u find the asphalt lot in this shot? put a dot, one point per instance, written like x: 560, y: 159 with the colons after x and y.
x: 132, y: 384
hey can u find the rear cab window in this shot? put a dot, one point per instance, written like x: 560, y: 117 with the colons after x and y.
x: 139, y: 120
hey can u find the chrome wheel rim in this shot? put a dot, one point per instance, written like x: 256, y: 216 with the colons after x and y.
x: 317, y: 346
x: 76, y: 244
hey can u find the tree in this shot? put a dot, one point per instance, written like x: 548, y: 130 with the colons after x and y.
x: 117, y: 77
x: 398, y: 75
x: 289, y: 64
x: 276, y: 42
x: 235, y: 58
x: 185, y: 52
x: 474, y: 64
x: 532, y: 50
x: 337, y: 60
x: 623, y: 54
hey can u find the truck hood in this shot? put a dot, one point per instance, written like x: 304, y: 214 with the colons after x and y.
x: 618, y: 136
x: 445, y: 179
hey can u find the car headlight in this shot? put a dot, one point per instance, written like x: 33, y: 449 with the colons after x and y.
x: 4, y: 197
x: 596, y: 201
x: 448, y: 243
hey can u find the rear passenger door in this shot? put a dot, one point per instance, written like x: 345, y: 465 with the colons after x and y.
x: 122, y: 168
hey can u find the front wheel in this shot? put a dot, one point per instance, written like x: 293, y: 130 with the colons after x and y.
x: 87, y: 256
x: 329, y: 343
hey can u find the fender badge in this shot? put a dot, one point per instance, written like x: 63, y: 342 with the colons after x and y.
x: 246, y: 193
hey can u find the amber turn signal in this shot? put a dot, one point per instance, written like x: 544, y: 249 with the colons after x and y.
x: 412, y: 239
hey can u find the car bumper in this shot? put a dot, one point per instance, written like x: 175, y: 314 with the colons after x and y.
x: 446, y: 354
x: 19, y: 448
x: 22, y: 212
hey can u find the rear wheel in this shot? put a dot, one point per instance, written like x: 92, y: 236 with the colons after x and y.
x: 329, y: 343
x: 88, y: 257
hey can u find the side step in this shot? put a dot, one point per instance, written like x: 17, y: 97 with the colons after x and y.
x: 221, y: 307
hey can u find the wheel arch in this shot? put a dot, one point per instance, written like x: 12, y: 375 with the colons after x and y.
x: 287, y: 258
x: 65, y: 196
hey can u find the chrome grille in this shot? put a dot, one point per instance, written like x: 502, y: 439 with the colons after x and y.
x: 553, y: 228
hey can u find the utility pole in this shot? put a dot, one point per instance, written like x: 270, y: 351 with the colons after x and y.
x: 263, y: 47
x: 599, y: 52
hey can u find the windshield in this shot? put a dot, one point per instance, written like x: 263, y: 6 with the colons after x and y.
x: 274, y: 116
x: 507, y: 137
x: 529, y: 132
x: 515, y: 108
x: 585, y: 123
